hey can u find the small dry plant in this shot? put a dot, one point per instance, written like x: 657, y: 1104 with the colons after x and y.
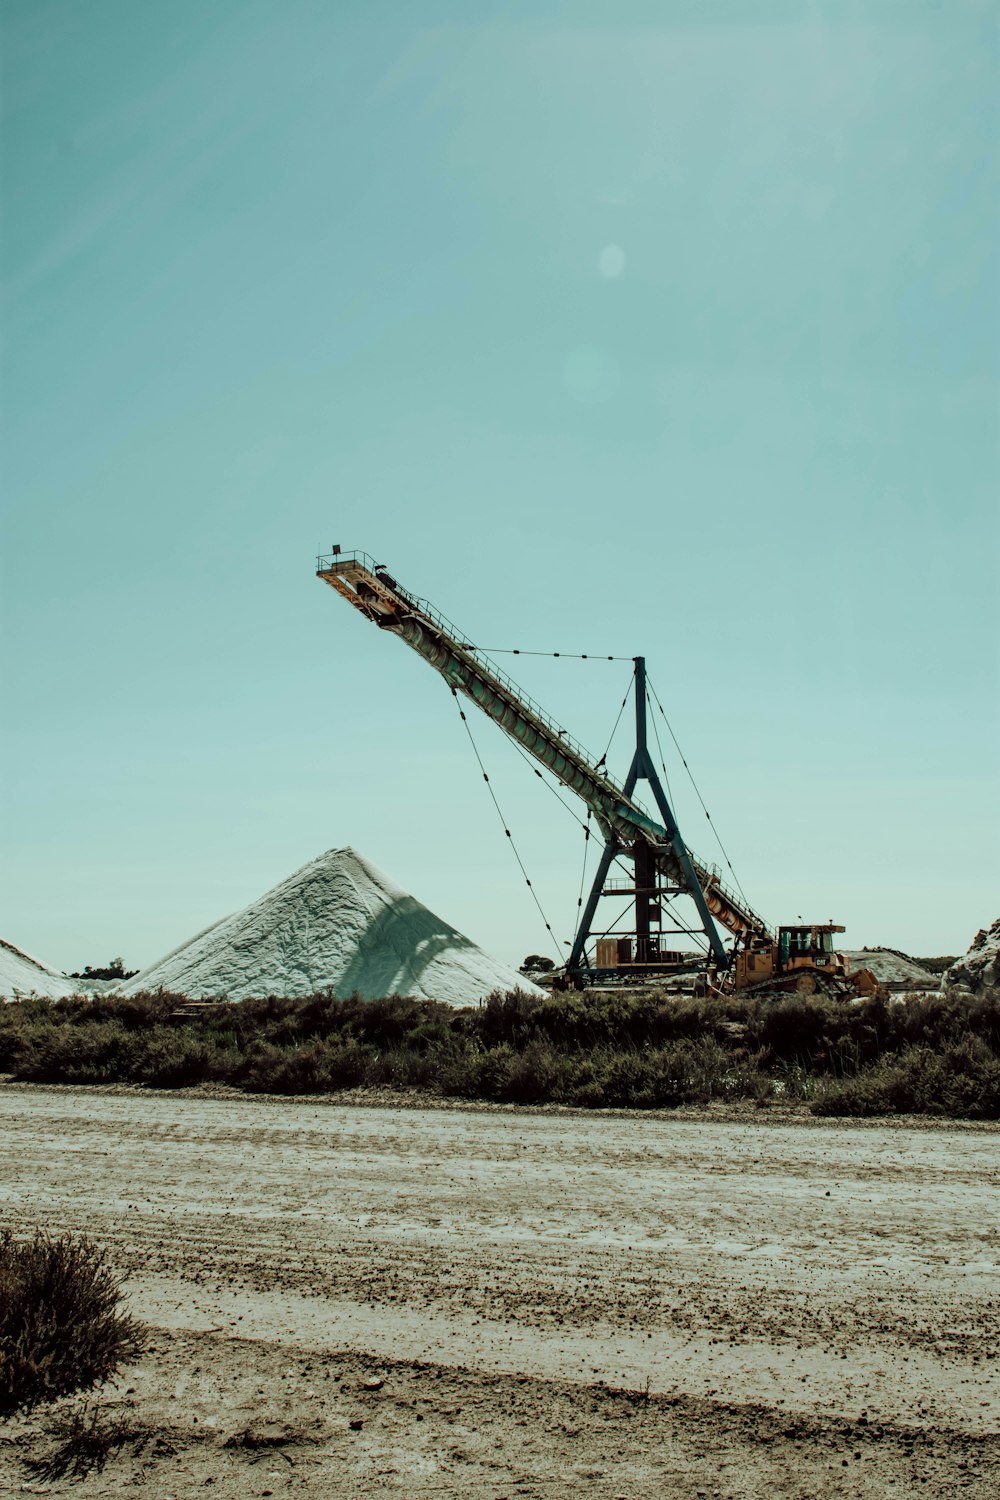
x: 61, y: 1328
x: 85, y: 1439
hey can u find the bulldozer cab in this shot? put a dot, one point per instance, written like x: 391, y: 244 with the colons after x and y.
x: 808, y: 945
x: 801, y: 957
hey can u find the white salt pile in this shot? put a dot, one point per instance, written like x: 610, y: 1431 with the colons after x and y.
x: 21, y: 975
x: 891, y: 967
x: 979, y: 970
x: 338, y: 923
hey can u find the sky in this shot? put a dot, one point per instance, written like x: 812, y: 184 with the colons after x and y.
x: 649, y: 328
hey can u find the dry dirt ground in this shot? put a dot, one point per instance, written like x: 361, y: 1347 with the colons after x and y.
x: 347, y: 1300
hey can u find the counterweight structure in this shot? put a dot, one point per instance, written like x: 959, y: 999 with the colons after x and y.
x: 662, y: 866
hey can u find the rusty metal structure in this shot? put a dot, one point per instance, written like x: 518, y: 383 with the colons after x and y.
x: 661, y: 865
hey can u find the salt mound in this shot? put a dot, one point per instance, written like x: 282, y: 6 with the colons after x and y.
x: 979, y: 970
x: 891, y: 967
x: 338, y: 923
x: 21, y: 975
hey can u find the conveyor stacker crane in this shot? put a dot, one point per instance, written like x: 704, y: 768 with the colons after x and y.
x: 663, y: 867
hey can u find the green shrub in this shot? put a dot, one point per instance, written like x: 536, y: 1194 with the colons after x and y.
x: 535, y: 1075
x: 931, y: 1053
x: 479, y: 1075
x: 962, y: 1081
x: 318, y: 1068
x: 167, y: 1059
x: 61, y: 1328
x: 92, y: 1052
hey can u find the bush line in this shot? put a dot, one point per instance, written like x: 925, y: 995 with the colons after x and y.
x: 935, y: 1054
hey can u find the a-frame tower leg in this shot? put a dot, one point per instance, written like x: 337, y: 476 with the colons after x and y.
x: 578, y: 954
x: 643, y: 856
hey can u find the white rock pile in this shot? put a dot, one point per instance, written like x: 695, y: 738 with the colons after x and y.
x: 22, y: 976
x: 337, y: 924
x: 979, y: 971
x: 891, y: 967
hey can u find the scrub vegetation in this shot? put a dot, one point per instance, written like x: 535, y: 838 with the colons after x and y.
x: 920, y: 1055
x: 61, y: 1327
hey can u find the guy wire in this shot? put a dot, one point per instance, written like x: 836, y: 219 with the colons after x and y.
x: 687, y: 768
x: 503, y: 822
x: 566, y: 655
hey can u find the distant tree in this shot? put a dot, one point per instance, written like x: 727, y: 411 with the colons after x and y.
x: 114, y: 970
x: 937, y: 965
x: 537, y: 963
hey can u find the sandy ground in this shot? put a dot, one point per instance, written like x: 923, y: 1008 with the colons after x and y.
x: 358, y: 1301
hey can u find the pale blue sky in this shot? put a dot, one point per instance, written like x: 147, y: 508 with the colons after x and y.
x: 282, y: 274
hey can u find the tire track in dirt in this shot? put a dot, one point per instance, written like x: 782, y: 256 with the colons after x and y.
x: 817, y: 1272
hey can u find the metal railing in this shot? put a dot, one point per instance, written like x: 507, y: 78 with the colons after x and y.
x: 734, y: 900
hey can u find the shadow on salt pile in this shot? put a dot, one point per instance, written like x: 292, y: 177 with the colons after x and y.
x: 396, y: 949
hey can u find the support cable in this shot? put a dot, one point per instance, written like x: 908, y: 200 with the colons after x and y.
x: 585, y: 824
x: 670, y: 898
x: 586, y: 827
x: 547, y: 784
x: 610, y: 929
x: 628, y: 693
x: 597, y: 765
x: 698, y: 933
x: 615, y: 864
x: 663, y: 760
x: 708, y: 815
x: 503, y: 821
x: 583, y: 872
x: 566, y: 655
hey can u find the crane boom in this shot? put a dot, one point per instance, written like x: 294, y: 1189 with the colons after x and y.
x: 372, y: 590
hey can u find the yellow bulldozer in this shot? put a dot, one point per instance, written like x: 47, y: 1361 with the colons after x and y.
x: 801, y: 959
